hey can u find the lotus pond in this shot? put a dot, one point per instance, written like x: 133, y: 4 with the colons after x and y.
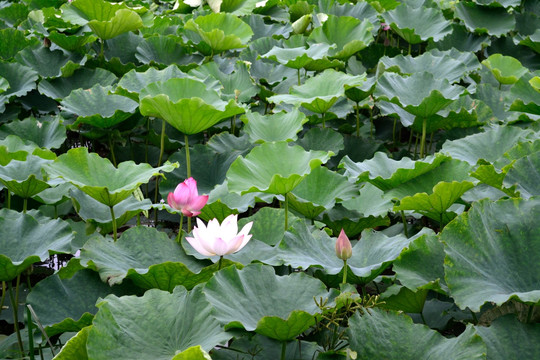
x: 236, y: 180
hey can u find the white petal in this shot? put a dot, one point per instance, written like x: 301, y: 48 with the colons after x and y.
x: 193, y: 3
x: 229, y: 228
x: 195, y: 244
x: 221, y: 247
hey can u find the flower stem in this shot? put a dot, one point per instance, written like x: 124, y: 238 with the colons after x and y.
x: 286, y: 206
x: 25, y: 205
x: 111, y: 149
x: 179, y: 236
x: 220, y: 262
x: 160, y: 159
x: 283, y: 350
x: 188, y: 161
x: 113, y: 223
x: 423, y: 143
x: 189, y: 224
x: 15, y: 307
x: 344, y: 272
x: 357, y: 120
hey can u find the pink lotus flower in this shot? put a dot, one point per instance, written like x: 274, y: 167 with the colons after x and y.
x: 186, y: 198
x: 220, y: 240
x: 343, y: 246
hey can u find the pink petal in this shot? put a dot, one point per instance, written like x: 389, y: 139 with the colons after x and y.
x: 192, y: 186
x: 236, y: 244
x: 171, y: 202
x: 198, y: 203
x: 182, y: 195
x: 195, y: 244
x: 188, y: 213
x: 221, y: 247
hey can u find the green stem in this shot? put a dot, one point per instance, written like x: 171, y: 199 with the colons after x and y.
x: 113, y: 222
x: 188, y: 161
x: 189, y: 224
x: 160, y: 159
x: 345, y: 271
x: 30, y: 334
x: 3, y: 296
x: 220, y: 262
x: 394, y: 132
x: 323, y: 121
x: 15, y: 307
x: 111, y: 149
x: 416, y: 145
x: 179, y: 236
x: 404, y: 224
x: 8, y: 205
x: 283, y: 350
x: 357, y: 120
x: 233, y: 125
x: 423, y: 143
x: 25, y: 205
x: 102, y: 51
x: 371, y: 121
x: 409, y: 48
x: 298, y: 77
x: 146, y: 147
x: 286, y: 206
x: 530, y: 314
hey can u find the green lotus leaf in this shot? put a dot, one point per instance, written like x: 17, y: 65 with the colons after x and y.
x: 451, y: 65
x: 158, y: 325
x: 315, y: 57
x: 235, y: 7
x: 525, y: 97
x: 495, y: 21
x: 69, y: 304
x: 300, y: 26
x: 14, y: 14
x: 193, y: 353
x: 431, y: 94
x: 75, y: 348
x: 349, y: 34
x: 98, y: 178
x: 319, y: 191
x: 325, y: 139
x: 503, y: 3
x: 50, y: 64
x: 95, y: 106
x: 14, y: 148
x: 400, y: 298
x: 21, y: 80
x: 535, y: 83
x: 165, y: 50
x: 351, y: 221
x: 421, y: 265
x: 261, y: 29
x: 54, y: 195
x: 25, y: 240
x: 391, y: 335
x: 147, y: 257
x: 282, y: 126
x: 186, y: 104
x: 489, y: 145
x: 107, y: 20
x: 320, y: 92
x: 84, y: 78
x: 274, y: 168
x: 417, y: 24
x: 462, y: 40
x: 371, y: 202
x: 483, y: 253
x: 215, y: 33
x: 506, y: 69
x: 45, y: 133
x: 360, y: 10
x: 132, y: 82
x: 502, y: 335
x: 72, y: 42
x: 526, y: 174
x: 255, y: 299
x: 25, y: 178
x: 237, y: 85
x: 4, y: 85
x: 13, y: 41
x: 386, y: 173
x: 531, y: 40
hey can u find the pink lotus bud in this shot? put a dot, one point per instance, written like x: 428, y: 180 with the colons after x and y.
x: 385, y: 26
x: 186, y: 198
x: 343, y: 246
x: 216, y: 239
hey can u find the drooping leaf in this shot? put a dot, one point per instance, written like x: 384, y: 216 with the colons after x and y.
x: 281, y: 126
x: 165, y: 50
x: 50, y: 64
x: 133, y: 81
x: 25, y: 178
x: 75, y: 348
x: 44, y: 132
x: 21, y: 80
x: 491, y: 249
x: 83, y: 78
x: 495, y: 21
x: 525, y: 173
x: 315, y: 57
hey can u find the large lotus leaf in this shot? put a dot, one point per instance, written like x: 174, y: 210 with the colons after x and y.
x: 21, y: 80
x: 494, y: 21
x: 75, y: 348
x: 236, y: 7
x: 491, y: 253
x: 325, y: 139
x: 489, y: 145
x: 390, y: 335
x: 319, y: 191
x: 421, y: 265
x: 186, y: 104
x: 50, y: 64
x: 146, y: 256
x: 95, y: 106
x: 63, y: 305
x: 98, y: 178
x: 525, y: 97
x: 418, y: 24
x: 107, y: 20
x: 25, y: 178
x: 349, y: 34
x: 261, y: 29
x: 282, y: 126
x: 165, y: 50
x: 371, y: 202
x: 451, y: 65
x: 72, y: 41
x: 13, y: 41
x: 274, y: 168
x: 84, y: 78
x: 44, y: 132
x: 351, y: 221
x: 156, y: 326
x: 504, y: 333
x: 255, y: 299
x: 4, y: 85
x: 526, y: 174
x: 386, y: 173
x: 25, y: 241
x: 14, y: 148
x: 430, y: 96
x: 132, y: 82
x: 314, y: 57
x: 462, y: 40
x: 506, y: 69
x: 215, y: 33
x: 320, y: 92
x: 360, y: 10
x: 531, y: 40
